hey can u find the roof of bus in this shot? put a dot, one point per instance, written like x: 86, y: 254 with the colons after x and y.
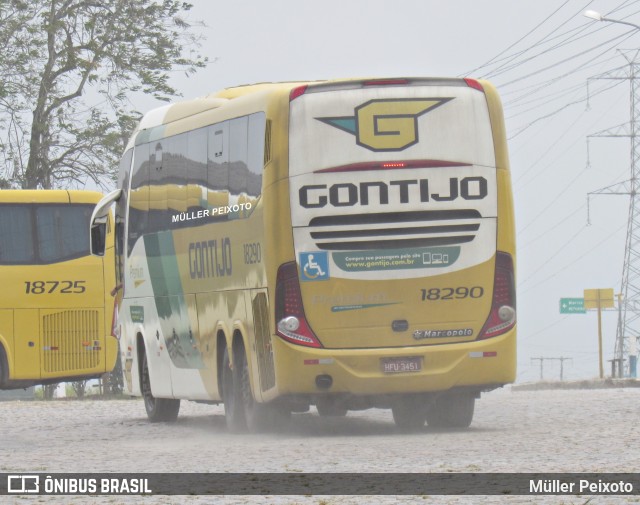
x: 233, y: 96
x: 246, y: 89
x: 49, y: 196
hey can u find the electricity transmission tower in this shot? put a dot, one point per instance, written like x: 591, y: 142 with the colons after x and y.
x: 628, y: 328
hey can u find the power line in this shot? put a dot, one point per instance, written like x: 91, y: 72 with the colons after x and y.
x: 572, y: 262
x: 522, y: 38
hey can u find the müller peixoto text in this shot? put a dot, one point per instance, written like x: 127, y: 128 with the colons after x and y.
x: 580, y: 486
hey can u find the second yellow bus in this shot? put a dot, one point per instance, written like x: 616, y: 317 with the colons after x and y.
x: 55, y: 305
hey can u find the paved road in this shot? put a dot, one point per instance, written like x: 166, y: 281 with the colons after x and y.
x: 540, y: 431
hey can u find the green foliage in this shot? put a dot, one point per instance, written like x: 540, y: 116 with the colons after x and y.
x: 67, y: 71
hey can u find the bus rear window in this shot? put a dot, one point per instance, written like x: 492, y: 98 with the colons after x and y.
x: 16, y: 232
x: 43, y: 234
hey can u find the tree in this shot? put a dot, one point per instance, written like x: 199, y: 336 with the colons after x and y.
x: 68, y: 71
x: 80, y: 388
x: 48, y: 391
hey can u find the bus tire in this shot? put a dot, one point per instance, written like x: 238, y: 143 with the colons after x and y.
x: 260, y: 417
x: 231, y: 396
x: 158, y: 409
x: 408, y: 414
x: 452, y: 410
x: 4, y: 367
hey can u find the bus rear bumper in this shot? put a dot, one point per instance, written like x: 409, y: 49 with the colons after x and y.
x: 479, y: 365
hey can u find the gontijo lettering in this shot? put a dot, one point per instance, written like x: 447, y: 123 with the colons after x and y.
x: 210, y: 258
x: 408, y: 191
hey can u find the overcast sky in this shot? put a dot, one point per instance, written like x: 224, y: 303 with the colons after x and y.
x: 540, y: 54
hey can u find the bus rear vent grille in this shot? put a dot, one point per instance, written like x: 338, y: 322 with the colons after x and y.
x: 394, y: 230
x: 71, y: 340
x: 263, y: 342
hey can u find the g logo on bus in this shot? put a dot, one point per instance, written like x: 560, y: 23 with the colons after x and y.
x: 386, y: 125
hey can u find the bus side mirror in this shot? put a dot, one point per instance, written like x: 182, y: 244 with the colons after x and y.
x: 98, y: 238
x: 99, y: 222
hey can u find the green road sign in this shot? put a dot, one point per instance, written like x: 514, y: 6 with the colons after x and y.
x: 572, y: 306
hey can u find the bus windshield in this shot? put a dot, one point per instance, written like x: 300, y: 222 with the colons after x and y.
x: 43, y: 234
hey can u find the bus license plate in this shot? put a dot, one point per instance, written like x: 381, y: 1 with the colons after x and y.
x: 404, y: 364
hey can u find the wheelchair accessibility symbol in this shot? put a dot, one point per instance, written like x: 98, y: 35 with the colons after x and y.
x: 314, y: 266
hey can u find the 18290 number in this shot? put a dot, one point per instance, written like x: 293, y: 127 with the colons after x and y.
x: 62, y: 287
x: 460, y: 293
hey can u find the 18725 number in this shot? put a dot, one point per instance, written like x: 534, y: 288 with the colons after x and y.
x: 63, y: 287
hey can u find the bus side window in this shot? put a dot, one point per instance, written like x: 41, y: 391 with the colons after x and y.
x: 158, y: 166
x: 196, y: 169
x: 238, y: 155
x: 257, y: 123
x: 174, y: 178
x: 139, y: 196
x: 218, y: 165
x: 124, y: 173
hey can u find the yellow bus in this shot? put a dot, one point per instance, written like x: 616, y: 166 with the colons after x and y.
x: 340, y: 244
x: 56, y: 307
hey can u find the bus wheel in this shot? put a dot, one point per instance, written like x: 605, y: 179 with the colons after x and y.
x: 452, y: 410
x: 260, y: 417
x: 4, y: 369
x: 158, y: 409
x: 232, y: 397
x: 408, y: 414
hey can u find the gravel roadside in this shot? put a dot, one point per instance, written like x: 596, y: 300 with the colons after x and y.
x: 527, y: 431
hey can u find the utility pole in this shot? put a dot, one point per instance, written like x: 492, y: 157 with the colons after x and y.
x: 628, y: 328
x: 562, y: 359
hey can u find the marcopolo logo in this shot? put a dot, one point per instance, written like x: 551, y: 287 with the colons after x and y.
x: 386, y: 125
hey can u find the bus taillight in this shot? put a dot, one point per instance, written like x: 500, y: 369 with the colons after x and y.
x: 503, y: 308
x: 291, y: 323
x: 296, y: 92
x: 472, y: 83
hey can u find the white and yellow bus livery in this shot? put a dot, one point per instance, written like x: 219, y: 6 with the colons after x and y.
x: 343, y: 244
